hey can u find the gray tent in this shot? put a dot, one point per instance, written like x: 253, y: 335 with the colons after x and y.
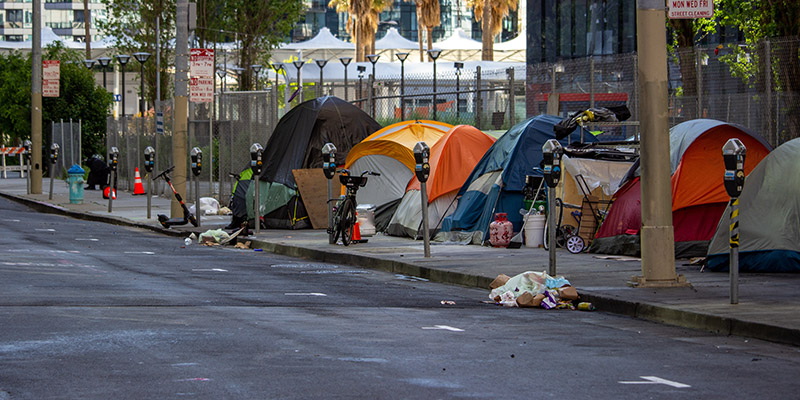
x: 769, y: 217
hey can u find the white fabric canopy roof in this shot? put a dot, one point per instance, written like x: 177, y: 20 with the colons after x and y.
x: 458, y: 41
x: 334, y: 70
x: 323, y: 40
x: 517, y: 43
x: 393, y: 40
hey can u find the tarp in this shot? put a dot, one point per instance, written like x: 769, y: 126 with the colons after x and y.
x: 495, y: 184
x: 452, y: 159
x: 296, y: 143
x: 769, y: 217
x: 389, y: 152
x: 698, y: 194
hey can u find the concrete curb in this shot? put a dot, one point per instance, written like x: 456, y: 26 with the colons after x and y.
x: 646, y: 311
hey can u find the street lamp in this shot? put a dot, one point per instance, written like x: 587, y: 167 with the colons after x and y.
x: 458, y: 66
x: 360, y: 70
x: 239, y: 71
x: 299, y: 64
x: 373, y: 58
x: 345, y: 61
x: 256, y: 69
x: 142, y: 58
x: 123, y: 59
x: 434, y: 54
x: 402, y: 57
x: 221, y: 74
x: 321, y: 65
x: 104, y: 62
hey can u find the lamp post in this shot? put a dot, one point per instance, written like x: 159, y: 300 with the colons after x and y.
x: 104, y: 62
x: 345, y: 61
x: 458, y: 66
x: 299, y: 65
x: 277, y: 67
x: 142, y: 58
x: 256, y: 70
x: 402, y: 57
x: 361, y: 70
x: 434, y: 54
x: 221, y: 74
x: 239, y: 71
x: 321, y: 65
x: 373, y: 58
x: 123, y: 59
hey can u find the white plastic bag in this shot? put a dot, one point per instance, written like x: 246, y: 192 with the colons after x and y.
x: 208, y: 205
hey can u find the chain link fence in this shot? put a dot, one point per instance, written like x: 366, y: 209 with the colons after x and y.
x: 67, y: 134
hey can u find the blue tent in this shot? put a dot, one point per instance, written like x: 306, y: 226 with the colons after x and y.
x: 495, y: 185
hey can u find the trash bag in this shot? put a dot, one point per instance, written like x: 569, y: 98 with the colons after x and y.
x: 597, y: 114
x: 213, y: 236
x: 208, y: 205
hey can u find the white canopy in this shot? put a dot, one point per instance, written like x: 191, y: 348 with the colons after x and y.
x: 458, y: 41
x: 323, y: 40
x: 334, y: 71
x: 393, y: 40
x: 517, y: 43
x: 48, y: 37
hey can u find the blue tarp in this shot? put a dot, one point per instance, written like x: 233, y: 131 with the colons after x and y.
x: 515, y: 153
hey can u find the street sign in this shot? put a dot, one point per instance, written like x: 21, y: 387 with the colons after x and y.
x: 160, y: 123
x: 201, y: 69
x: 117, y: 97
x: 51, y: 73
x: 690, y: 9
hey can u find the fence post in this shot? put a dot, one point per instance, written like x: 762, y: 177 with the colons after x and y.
x: 511, y: 101
x: 80, y: 142
x: 768, y: 88
x: 591, y: 84
x: 478, y: 97
x: 370, y: 94
x: 699, y: 84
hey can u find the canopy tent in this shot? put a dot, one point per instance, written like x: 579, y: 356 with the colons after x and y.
x: 495, y: 185
x: 512, y: 50
x: 698, y: 194
x: 324, y: 46
x: 389, y: 152
x: 459, y: 46
x: 452, y: 159
x: 769, y: 217
x: 393, y: 40
x: 48, y: 38
x: 297, y: 143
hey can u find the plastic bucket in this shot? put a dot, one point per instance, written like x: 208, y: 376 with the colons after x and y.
x: 534, y: 230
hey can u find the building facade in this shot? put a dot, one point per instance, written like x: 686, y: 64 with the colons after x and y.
x: 65, y: 17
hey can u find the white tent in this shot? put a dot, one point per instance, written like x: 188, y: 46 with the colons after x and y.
x: 459, y: 47
x: 48, y: 37
x: 323, y: 40
x: 512, y: 50
x: 393, y: 40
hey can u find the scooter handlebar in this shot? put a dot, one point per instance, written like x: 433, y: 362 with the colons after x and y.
x: 166, y: 171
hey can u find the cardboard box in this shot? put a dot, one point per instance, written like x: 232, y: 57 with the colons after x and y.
x: 568, y: 293
x: 529, y: 300
x: 499, y: 281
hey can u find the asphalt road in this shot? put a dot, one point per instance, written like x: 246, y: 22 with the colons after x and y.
x: 96, y: 311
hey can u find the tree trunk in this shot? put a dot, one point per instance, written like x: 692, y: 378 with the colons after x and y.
x: 359, y: 42
x: 419, y: 34
x: 87, y: 36
x: 430, y: 40
x: 486, y: 32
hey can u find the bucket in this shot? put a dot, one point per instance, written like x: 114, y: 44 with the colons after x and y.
x: 526, y: 205
x: 534, y: 230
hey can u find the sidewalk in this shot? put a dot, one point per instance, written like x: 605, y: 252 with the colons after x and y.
x: 769, y: 304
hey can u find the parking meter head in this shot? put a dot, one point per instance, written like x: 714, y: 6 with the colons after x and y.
x: 113, y: 156
x: 256, y: 163
x: 28, y: 145
x: 733, y: 154
x: 196, y: 156
x: 329, y: 160
x: 551, y: 153
x: 149, y: 158
x: 422, y: 169
x: 54, y: 148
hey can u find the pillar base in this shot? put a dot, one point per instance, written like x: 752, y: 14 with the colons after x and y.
x: 642, y: 282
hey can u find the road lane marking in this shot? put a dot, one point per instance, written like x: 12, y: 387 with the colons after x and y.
x: 210, y: 269
x: 140, y: 252
x: 44, y: 230
x: 11, y: 220
x: 443, y: 327
x: 88, y: 239
x: 654, y: 380
x: 306, y: 294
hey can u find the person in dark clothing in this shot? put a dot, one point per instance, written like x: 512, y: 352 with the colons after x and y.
x: 98, y: 173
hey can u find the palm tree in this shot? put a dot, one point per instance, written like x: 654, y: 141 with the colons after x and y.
x: 491, y: 19
x: 362, y: 22
x: 428, y: 17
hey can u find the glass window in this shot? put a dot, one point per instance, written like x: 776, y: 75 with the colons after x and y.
x: 14, y: 38
x: 13, y: 19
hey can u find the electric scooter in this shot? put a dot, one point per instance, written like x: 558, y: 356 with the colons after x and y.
x: 188, y: 217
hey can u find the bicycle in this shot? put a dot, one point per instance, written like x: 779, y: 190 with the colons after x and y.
x: 344, y: 213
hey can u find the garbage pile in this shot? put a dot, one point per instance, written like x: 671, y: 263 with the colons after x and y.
x: 536, y: 289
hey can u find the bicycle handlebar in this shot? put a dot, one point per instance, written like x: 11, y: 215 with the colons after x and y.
x: 166, y: 171
x: 367, y: 172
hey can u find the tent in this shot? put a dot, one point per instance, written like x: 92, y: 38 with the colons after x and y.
x: 698, y: 195
x: 389, y: 152
x: 769, y: 217
x: 495, y: 185
x: 452, y: 159
x: 297, y: 143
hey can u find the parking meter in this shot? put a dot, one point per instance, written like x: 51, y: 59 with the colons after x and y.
x: 552, y: 152
x: 28, y: 145
x: 733, y: 153
x: 149, y: 158
x: 197, y: 160
x: 255, y: 164
x: 329, y: 160
x: 53, y: 159
x: 421, y: 155
x: 113, y: 159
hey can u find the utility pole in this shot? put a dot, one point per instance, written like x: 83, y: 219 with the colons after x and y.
x: 181, y: 104
x: 36, y: 100
x: 657, y: 235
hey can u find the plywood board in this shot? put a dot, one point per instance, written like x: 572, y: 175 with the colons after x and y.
x: 313, y: 188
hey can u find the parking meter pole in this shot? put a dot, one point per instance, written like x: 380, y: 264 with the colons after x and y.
x: 113, y: 154
x: 52, y: 172
x: 149, y: 163
x: 149, y: 186
x: 551, y: 154
x: 197, y: 199
x: 422, y: 170
x: 111, y: 189
x: 329, y: 168
x: 330, y: 211
x: 256, y: 206
x: 28, y: 165
x: 53, y: 161
x: 733, y: 154
x: 256, y: 164
x: 196, y: 158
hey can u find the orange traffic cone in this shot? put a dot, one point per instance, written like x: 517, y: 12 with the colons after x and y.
x: 356, y: 233
x: 137, y: 183
x: 106, y: 190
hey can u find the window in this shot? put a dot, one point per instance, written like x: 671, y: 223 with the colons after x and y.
x: 14, y: 38
x: 13, y: 19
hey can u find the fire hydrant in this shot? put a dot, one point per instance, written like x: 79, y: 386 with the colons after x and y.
x: 75, y: 181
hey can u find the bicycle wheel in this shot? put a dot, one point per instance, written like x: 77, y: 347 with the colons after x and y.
x: 348, y: 220
x: 336, y: 223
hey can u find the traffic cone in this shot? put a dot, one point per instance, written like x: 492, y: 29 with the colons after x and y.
x: 137, y: 183
x: 356, y: 233
x: 106, y: 190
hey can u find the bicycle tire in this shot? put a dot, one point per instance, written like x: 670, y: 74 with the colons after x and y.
x: 336, y: 224
x: 348, y: 221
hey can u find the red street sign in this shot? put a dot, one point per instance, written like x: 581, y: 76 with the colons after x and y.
x: 690, y: 9
x: 51, y: 73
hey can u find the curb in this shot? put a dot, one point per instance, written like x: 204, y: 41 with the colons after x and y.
x: 647, y: 311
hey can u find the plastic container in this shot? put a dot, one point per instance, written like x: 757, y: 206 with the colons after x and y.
x: 365, y: 213
x: 534, y: 230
